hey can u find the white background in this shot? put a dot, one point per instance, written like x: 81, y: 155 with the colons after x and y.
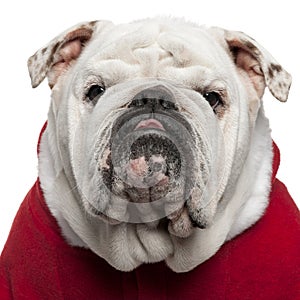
x: 28, y: 25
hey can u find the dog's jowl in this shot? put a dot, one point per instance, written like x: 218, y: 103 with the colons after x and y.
x: 157, y: 170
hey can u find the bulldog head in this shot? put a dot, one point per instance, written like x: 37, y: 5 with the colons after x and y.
x: 151, y: 122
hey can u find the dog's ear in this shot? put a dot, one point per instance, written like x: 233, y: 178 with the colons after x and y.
x: 262, y: 69
x: 53, y: 59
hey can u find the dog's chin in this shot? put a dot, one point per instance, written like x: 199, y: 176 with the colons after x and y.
x: 178, y: 223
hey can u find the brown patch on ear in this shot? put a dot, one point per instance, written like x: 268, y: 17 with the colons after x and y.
x: 274, y: 68
x: 83, y: 34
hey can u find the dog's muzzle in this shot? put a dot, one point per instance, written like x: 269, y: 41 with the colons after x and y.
x: 148, y: 155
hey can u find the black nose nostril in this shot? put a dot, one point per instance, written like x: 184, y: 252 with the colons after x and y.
x: 166, y: 104
x: 152, y: 104
x: 138, y: 103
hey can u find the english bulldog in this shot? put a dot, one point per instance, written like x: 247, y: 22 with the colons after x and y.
x: 156, y: 143
x: 157, y: 147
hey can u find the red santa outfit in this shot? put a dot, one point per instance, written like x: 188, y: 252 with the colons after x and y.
x: 261, y: 263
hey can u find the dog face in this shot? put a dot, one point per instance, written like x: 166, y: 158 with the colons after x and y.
x: 153, y: 120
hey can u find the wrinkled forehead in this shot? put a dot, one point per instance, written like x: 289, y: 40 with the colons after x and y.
x: 179, y: 45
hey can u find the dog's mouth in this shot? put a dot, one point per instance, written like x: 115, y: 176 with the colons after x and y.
x: 144, y: 158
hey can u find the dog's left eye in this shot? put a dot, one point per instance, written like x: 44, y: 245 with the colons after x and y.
x: 95, y: 92
x: 213, y: 98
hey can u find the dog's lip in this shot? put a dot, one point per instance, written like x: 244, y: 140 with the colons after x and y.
x: 146, y: 115
x: 150, y: 123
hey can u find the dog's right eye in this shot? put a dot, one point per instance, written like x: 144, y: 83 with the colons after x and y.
x: 214, y: 99
x: 95, y: 92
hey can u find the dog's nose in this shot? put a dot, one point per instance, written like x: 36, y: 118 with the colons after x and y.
x: 154, y: 99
